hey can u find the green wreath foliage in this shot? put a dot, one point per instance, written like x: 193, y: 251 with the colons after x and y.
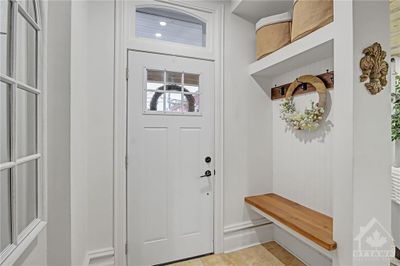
x: 309, y: 120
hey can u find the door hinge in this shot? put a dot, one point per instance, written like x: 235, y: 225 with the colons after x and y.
x: 127, y: 73
x: 215, y: 172
x: 126, y: 162
x: 126, y: 248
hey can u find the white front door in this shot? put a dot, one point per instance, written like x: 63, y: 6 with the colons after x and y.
x: 170, y: 135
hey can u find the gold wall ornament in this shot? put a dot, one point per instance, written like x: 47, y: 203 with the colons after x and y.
x: 374, y: 67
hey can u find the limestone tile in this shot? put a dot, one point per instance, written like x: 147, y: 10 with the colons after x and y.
x: 267, y: 254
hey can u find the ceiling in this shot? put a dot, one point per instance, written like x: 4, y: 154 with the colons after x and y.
x: 253, y: 10
x: 395, y: 27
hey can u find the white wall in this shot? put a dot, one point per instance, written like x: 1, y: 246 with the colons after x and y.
x: 361, y: 156
x: 302, y: 160
x: 92, y: 68
x: 396, y: 223
x: 372, y: 147
x: 79, y: 137
x: 58, y: 93
x: 100, y: 124
x: 342, y: 160
x: 247, y: 125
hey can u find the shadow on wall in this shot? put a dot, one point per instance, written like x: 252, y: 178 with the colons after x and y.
x: 323, y: 130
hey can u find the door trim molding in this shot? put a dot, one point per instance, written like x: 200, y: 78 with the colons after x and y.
x: 177, y: 55
x: 120, y: 127
x: 99, y: 257
x: 219, y: 132
x: 119, y: 145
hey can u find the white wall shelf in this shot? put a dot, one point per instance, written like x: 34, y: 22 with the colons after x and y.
x: 312, y: 48
x: 252, y: 10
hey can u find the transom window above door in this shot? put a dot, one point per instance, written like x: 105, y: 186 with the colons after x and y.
x: 171, y: 92
x: 168, y: 25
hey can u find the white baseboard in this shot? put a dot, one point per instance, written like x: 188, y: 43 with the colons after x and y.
x: 236, y: 237
x: 247, y: 234
x: 302, y: 251
x: 100, y: 257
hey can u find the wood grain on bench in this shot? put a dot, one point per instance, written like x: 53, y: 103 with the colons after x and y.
x: 311, y: 224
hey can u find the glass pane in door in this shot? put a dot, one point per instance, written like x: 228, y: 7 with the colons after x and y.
x: 26, y: 194
x: 4, y: 36
x: 26, y: 52
x: 5, y: 209
x: 26, y: 123
x: 5, y: 125
x: 173, y: 102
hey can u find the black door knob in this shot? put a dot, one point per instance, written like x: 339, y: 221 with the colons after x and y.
x: 208, y: 159
x: 206, y: 174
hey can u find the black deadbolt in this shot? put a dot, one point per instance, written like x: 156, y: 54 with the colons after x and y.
x: 208, y: 159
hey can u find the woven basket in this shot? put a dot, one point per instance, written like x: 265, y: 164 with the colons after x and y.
x: 310, y: 15
x: 272, y: 33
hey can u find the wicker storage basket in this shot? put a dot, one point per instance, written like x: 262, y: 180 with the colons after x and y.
x: 272, y: 33
x: 309, y: 16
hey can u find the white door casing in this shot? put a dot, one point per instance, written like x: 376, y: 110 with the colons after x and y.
x: 170, y: 207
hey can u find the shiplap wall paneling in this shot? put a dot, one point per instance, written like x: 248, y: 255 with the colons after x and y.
x: 302, y: 160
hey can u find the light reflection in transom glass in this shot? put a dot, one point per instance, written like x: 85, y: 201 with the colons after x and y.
x: 170, y: 25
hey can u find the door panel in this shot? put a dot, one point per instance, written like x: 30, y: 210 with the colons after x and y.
x: 156, y: 149
x: 170, y: 132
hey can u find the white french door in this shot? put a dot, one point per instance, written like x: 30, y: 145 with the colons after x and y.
x: 170, y: 158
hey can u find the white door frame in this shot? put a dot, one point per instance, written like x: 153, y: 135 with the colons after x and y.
x: 122, y: 44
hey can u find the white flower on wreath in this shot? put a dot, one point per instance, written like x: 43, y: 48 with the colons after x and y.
x: 309, y: 120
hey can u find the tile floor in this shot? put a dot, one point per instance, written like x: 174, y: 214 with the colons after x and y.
x: 268, y: 254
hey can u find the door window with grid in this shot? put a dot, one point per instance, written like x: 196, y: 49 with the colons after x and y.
x: 171, y: 92
x: 20, y: 101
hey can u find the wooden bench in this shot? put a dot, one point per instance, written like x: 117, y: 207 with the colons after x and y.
x: 305, y: 223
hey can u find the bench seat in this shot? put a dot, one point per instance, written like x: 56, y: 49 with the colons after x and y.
x: 307, y: 223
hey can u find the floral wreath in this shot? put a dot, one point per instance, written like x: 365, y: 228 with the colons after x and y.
x: 311, y: 117
x: 154, y: 100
